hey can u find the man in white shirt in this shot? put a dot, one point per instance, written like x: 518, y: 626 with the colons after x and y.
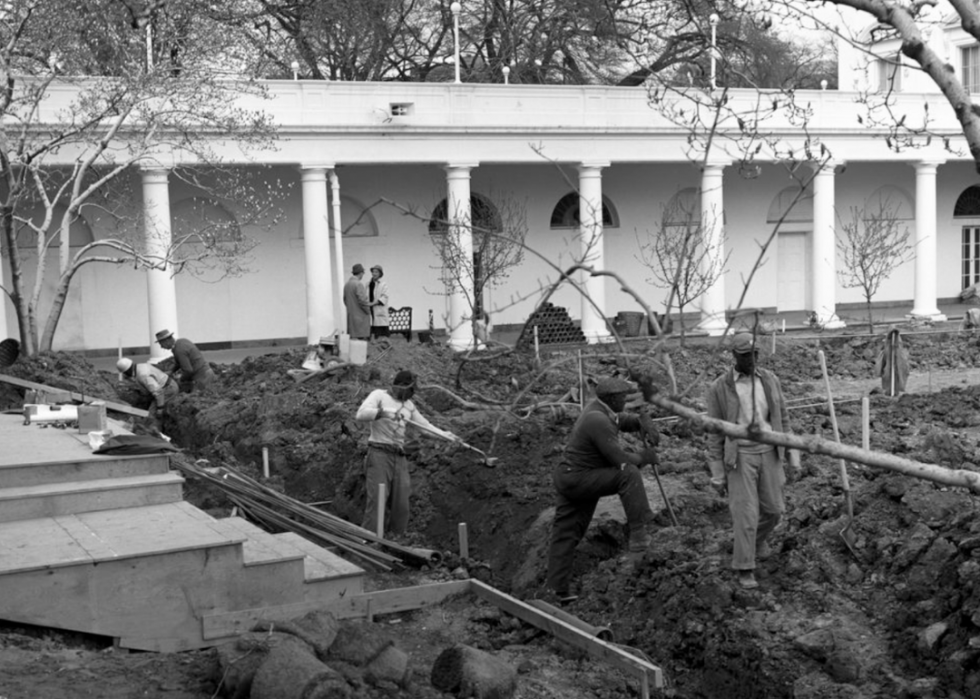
x: 394, y: 422
x: 158, y: 384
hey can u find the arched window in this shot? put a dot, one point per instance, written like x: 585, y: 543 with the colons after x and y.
x: 484, y: 215
x: 891, y: 200
x: 790, y: 206
x: 566, y: 213
x: 79, y: 232
x: 356, y: 220
x: 968, y: 203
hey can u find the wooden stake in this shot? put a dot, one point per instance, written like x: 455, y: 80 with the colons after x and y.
x: 382, y: 502
x: 537, y: 347
x: 774, y: 343
x: 865, y: 423
x: 581, y: 381
x: 784, y: 326
x: 265, y: 462
x: 464, y: 544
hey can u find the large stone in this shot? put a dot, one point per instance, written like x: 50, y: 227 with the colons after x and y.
x: 358, y: 643
x: 292, y: 671
x: 240, y: 659
x: 473, y: 673
x: 318, y: 629
x: 390, y: 665
x: 929, y: 636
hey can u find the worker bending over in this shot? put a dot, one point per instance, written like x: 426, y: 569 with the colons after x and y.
x: 159, y: 385
x: 595, y: 465
x: 195, y: 372
x: 395, y: 423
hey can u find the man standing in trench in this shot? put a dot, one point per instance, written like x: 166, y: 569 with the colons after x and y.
x: 752, y: 472
x: 595, y: 465
x: 195, y: 372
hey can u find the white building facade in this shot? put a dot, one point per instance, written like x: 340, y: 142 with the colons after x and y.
x: 377, y: 160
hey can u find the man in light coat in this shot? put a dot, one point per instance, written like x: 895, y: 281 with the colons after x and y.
x: 150, y: 379
x: 378, y: 298
x: 753, y: 473
x: 358, y: 307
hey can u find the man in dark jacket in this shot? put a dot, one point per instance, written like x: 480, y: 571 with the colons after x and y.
x: 752, y: 472
x: 195, y: 371
x: 594, y: 465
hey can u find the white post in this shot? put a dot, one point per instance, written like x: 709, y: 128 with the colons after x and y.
x: 592, y: 251
x: 382, y: 505
x: 460, y: 234
x: 316, y: 241
x: 925, y: 305
x: 865, y: 423
x: 824, y: 277
x: 338, y: 252
x: 455, y: 8
x: 464, y: 542
x: 712, y: 301
x: 161, y: 289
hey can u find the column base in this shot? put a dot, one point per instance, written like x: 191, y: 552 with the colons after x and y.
x: 595, y: 337
x: 712, y: 325
x: 460, y: 344
x: 831, y: 322
x: 934, y: 317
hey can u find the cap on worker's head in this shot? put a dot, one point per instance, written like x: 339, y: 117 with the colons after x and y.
x: 404, y: 378
x: 379, y: 268
x: 163, y: 335
x: 743, y: 343
x: 124, y: 364
x: 611, y: 386
x: 357, y: 269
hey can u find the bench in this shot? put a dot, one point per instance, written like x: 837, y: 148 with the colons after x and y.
x: 400, y: 321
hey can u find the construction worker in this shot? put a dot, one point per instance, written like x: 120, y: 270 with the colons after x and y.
x: 595, y: 465
x: 195, y: 371
x: 158, y: 384
x: 395, y: 424
x: 752, y: 473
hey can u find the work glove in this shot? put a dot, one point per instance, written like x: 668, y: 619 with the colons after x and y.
x: 718, y: 479
x: 651, y: 435
x: 649, y: 457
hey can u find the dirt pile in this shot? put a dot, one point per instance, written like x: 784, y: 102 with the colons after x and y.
x: 901, y: 618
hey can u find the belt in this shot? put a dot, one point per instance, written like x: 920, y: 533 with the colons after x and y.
x: 390, y: 448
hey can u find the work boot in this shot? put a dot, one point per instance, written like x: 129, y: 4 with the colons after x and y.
x: 639, y: 540
x: 746, y: 580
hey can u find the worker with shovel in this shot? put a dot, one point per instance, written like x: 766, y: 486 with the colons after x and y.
x: 395, y: 421
x: 594, y: 465
x: 751, y: 472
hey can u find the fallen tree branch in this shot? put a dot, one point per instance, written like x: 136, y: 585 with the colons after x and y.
x: 816, y: 445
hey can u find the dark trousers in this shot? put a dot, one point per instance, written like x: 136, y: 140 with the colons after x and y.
x: 390, y: 468
x: 200, y: 381
x: 578, y: 494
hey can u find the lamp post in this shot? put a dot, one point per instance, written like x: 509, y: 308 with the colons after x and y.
x: 506, y: 72
x: 713, y: 21
x: 455, y: 8
x: 295, y: 66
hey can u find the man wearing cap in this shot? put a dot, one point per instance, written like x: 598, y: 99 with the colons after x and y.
x: 395, y: 424
x: 158, y: 384
x: 358, y: 306
x: 595, y: 465
x: 378, y: 299
x: 195, y: 371
x: 752, y: 472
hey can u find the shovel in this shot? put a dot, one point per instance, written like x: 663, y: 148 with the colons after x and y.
x: 488, y: 461
x: 845, y: 534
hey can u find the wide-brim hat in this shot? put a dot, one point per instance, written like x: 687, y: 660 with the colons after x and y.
x: 379, y: 268
x: 163, y: 335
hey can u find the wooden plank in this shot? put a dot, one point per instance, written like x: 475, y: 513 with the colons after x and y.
x: 81, y: 397
x: 620, y: 659
x: 322, y: 563
x: 259, y: 546
x: 403, y: 599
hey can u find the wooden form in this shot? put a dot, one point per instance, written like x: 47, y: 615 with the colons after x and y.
x: 220, y: 625
x: 81, y: 397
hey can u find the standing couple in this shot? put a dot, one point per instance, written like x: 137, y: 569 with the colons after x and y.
x: 367, y: 307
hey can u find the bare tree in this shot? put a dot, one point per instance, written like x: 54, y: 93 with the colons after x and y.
x: 679, y: 259
x: 70, y: 145
x: 872, y: 244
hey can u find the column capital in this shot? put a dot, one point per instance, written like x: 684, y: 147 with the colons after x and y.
x: 155, y: 175
x: 824, y: 167
x: 314, y: 173
x: 714, y: 164
x: 927, y: 164
x: 451, y: 167
x: 592, y: 165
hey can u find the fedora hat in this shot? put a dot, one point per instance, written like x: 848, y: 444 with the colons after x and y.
x: 163, y: 335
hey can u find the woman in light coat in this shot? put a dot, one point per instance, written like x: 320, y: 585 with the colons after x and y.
x: 378, y: 299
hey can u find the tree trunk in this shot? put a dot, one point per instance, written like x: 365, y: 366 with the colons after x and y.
x: 57, y: 306
x: 816, y: 445
x: 28, y: 343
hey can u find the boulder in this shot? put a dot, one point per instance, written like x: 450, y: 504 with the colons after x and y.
x: 240, y: 659
x: 318, y: 629
x: 292, y: 671
x: 390, y: 665
x: 473, y: 673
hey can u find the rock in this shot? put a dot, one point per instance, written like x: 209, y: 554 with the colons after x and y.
x: 358, y: 643
x: 844, y: 666
x: 929, y: 636
x: 817, y: 685
x: 240, y: 659
x: 472, y: 673
x: 923, y: 687
x: 292, y: 671
x: 918, y: 540
x: 390, y: 665
x: 817, y: 644
x: 318, y: 629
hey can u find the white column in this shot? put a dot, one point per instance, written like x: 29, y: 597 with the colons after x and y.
x: 161, y: 287
x: 824, y: 274
x: 3, y: 308
x: 594, y: 325
x: 712, y: 301
x: 925, y: 305
x: 461, y: 239
x: 320, y: 318
x: 338, y: 250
